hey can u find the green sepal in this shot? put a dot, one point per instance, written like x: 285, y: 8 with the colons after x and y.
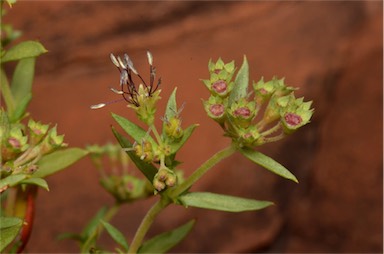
x: 240, y: 89
x: 221, y: 202
x: 268, y: 163
x: 58, y: 160
x: 23, y: 50
x: 147, y: 169
x: 116, y: 235
x: 166, y: 241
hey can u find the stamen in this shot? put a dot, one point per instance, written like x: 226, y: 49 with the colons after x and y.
x: 117, y: 91
x: 97, y: 106
x: 121, y: 63
x: 150, y: 58
x: 114, y: 60
x: 130, y: 64
x: 124, y: 77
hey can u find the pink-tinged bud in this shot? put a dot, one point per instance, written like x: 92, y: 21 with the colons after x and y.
x: 220, y: 86
x: 14, y: 142
x: 217, y: 109
x: 243, y: 112
x: 292, y: 119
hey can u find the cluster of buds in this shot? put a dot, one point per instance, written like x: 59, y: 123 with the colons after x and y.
x: 141, y: 98
x: 164, y: 178
x: 116, y: 178
x: 20, y: 152
x: 241, y: 118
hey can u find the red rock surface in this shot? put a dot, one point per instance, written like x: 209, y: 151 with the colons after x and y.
x: 332, y: 50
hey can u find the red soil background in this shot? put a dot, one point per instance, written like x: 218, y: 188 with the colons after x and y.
x: 331, y: 50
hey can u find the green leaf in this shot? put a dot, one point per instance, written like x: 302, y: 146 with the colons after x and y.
x: 116, y: 235
x: 72, y: 236
x: 221, y: 202
x: 136, y: 132
x: 22, y: 79
x: 9, y: 229
x: 12, y: 180
x: 37, y: 181
x: 59, y: 160
x: 187, y: 133
x: 166, y: 241
x: 147, y: 169
x: 268, y: 163
x: 6, y: 92
x: 23, y: 50
x: 171, y: 109
x: 89, y: 234
x: 20, y: 108
x: 93, y: 223
x: 240, y: 89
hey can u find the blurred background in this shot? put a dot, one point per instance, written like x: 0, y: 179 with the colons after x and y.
x: 333, y: 51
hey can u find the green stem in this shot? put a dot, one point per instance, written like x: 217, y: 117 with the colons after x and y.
x: 226, y: 152
x: 146, y: 223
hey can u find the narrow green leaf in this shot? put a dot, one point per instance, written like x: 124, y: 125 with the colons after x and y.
x: 147, y: 169
x: 6, y: 92
x: 116, y: 235
x: 93, y: 223
x: 37, y: 181
x: 20, y: 108
x: 10, y: 227
x: 136, y: 132
x: 171, y: 109
x: 12, y: 180
x: 90, y: 232
x: 268, y: 163
x: 187, y: 133
x: 23, y: 50
x: 221, y: 202
x: 59, y: 160
x: 240, y: 89
x: 22, y: 79
x: 166, y: 241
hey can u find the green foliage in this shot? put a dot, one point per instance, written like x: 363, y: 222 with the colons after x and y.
x: 116, y: 235
x: 23, y: 50
x: 221, y: 202
x: 9, y: 229
x: 268, y: 163
x: 166, y: 241
x: 59, y: 160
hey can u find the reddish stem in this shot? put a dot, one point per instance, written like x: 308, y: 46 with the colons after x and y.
x: 26, y: 230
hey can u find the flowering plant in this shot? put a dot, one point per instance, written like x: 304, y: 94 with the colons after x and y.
x: 250, y: 118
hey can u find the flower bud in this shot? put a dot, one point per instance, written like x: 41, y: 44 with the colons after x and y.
x: 164, y: 177
x: 297, y: 114
x: 14, y: 143
x: 52, y: 142
x: 215, y: 108
x: 146, y: 104
x: 37, y: 131
x: 250, y: 137
x: 144, y: 151
x: 242, y: 113
x: 173, y: 128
